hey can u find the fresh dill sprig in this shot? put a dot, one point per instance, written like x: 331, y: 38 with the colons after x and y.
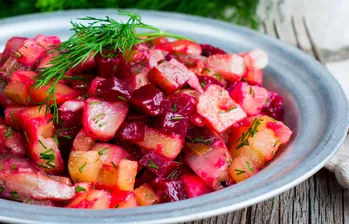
x: 90, y: 40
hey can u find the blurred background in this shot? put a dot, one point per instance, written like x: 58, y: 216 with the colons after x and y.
x: 327, y: 20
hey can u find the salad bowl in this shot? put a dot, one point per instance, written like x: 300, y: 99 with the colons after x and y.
x: 316, y: 110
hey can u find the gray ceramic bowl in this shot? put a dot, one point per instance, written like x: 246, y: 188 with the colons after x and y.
x: 316, y: 110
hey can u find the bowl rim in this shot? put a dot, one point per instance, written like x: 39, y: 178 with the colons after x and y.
x: 209, y: 204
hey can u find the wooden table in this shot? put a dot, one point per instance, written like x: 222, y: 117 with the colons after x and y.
x: 318, y: 200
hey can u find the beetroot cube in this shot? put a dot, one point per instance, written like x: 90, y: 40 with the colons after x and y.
x: 274, y: 106
x: 159, y: 165
x: 29, y: 53
x: 70, y: 114
x: 146, y: 177
x: 170, y: 190
x: 132, y: 131
x: 84, y: 84
x: 136, y: 115
x: 133, y: 150
x: 113, y: 89
x: 206, y: 81
x: 197, y: 119
x: 183, y: 104
x: 107, y: 65
x: 208, y: 50
x: 11, y: 46
x: 194, y: 185
x: 150, y: 100
x: 172, y: 123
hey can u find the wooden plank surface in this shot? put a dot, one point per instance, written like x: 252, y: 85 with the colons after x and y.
x: 318, y: 200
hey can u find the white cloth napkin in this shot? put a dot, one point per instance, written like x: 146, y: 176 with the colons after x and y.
x: 339, y: 163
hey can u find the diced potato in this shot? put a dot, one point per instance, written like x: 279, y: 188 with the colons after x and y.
x: 242, y: 168
x: 219, y: 109
x: 145, y: 195
x: 127, y: 172
x: 84, y: 166
x: 168, y: 146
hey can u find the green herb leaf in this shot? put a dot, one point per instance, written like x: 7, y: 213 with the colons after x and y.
x: 2, y: 189
x: 239, y: 172
x: 122, y: 98
x: 14, y: 195
x: 102, y: 151
x: 174, y: 107
x: 82, y: 167
x: 13, y: 166
x: 249, y: 166
x: 112, y: 163
x: 203, y: 84
x: 177, y: 118
x: 8, y: 132
x: 151, y: 164
x: 79, y: 189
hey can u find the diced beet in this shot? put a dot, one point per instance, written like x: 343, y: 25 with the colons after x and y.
x: 251, y: 98
x: 194, y: 185
x: 11, y: 66
x: 11, y: 46
x: 150, y: 100
x: 87, y: 67
x: 133, y: 150
x: 182, y: 104
x: 230, y: 66
x: 180, y: 46
x: 172, y: 124
x: 208, y: 50
x: 94, y: 85
x: 136, y: 115
x: 29, y: 53
x: 159, y: 165
x: 170, y: 190
x: 132, y: 131
x: 124, y: 70
x: 274, y: 106
x: 70, y: 114
x: 102, y: 119
x: 47, y: 42
x: 83, y: 84
x: 197, y: 119
x: 113, y: 89
x: 206, y: 81
x: 12, y: 116
x: 169, y: 75
x: 144, y: 178
x: 107, y: 64
x: 230, y: 85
